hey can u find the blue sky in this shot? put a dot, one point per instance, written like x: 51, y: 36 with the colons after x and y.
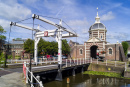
x: 78, y: 14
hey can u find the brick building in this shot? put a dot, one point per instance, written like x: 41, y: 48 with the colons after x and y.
x: 15, y: 46
x: 96, y: 44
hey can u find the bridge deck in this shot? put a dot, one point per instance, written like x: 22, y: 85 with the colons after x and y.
x: 54, y: 67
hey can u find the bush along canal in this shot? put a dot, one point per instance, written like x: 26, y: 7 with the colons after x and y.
x: 108, y: 74
x: 110, y: 71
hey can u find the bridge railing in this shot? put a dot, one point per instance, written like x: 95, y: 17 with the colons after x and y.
x: 46, y: 61
x: 32, y: 77
x: 78, y: 61
x: 19, y: 61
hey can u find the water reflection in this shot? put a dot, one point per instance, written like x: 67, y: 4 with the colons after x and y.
x: 81, y: 80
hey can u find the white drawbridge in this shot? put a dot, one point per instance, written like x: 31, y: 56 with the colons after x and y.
x: 56, y: 33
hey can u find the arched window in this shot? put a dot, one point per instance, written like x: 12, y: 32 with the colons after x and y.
x: 81, y: 51
x: 110, y: 51
x: 101, y: 36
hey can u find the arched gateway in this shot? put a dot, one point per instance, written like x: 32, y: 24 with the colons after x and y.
x: 93, y: 51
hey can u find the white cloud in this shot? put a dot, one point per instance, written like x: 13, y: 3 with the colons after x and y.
x: 4, y: 24
x: 13, y: 12
x: 30, y: 1
x: 117, y: 36
x: 78, y: 23
x: 108, y: 16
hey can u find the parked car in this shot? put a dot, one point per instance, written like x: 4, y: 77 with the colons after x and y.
x: 64, y: 57
x: 49, y: 57
x: 55, y: 57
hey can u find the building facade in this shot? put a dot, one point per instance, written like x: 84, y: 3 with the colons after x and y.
x: 96, y: 44
x: 15, y: 46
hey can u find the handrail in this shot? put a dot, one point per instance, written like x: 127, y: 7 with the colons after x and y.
x: 32, y: 76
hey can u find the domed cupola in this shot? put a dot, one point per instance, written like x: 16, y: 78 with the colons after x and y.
x: 97, y: 26
x: 98, y: 29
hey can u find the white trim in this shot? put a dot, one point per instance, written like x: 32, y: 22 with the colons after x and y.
x: 108, y: 51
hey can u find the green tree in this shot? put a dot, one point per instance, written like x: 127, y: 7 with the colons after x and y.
x: 41, y: 47
x: 65, y: 47
x: 2, y: 58
x: 2, y: 31
x: 46, y: 47
x: 125, y: 47
x: 29, y: 46
x: 2, y: 37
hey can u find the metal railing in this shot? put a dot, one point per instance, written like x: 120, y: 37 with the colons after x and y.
x: 30, y: 80
x: 78, y: 61
x: 109, y: 62
x: 41, y: 61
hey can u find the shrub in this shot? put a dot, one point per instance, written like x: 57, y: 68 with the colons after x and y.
x: 125, y: 47
x: 2, y: 58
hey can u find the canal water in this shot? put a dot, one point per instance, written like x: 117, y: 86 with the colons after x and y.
x: 85, y: 80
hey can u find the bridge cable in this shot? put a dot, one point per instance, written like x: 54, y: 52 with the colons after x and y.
x: 36, y: 24
x: 50, y: 17
x: 24, y: 19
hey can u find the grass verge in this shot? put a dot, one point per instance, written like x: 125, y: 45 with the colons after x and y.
x: 109, y: 74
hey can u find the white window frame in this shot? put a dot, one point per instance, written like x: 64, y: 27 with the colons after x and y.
x: 108, y: 50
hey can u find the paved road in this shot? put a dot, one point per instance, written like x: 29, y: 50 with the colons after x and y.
x: 11, y: 78
x: 8, y: 71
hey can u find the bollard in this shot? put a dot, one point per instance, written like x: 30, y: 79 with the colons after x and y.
x: 68, y: 80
